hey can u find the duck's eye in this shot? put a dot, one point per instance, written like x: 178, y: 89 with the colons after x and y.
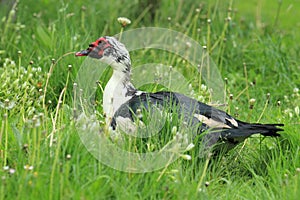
x: 99, y: 42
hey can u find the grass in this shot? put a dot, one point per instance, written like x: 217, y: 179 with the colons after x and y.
x: 41, y: 153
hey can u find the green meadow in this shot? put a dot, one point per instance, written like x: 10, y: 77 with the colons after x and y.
x: 254, y: 45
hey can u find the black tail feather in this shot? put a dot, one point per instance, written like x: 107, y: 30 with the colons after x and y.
x: 264, y: 129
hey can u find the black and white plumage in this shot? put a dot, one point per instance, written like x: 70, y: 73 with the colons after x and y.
x: 121, y: 101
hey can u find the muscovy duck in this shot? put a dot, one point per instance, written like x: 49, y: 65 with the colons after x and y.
x: 121, y: 101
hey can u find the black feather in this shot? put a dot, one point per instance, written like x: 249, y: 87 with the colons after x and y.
x: 230, y: 135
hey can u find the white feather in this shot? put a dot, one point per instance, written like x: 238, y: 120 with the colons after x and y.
x: 210, y: 122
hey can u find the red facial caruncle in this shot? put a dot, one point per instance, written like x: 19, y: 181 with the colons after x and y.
x: 100, y: 44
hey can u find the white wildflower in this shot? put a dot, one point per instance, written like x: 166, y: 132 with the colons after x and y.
x: 203, y: 87
x: 28, y: 167
x: 7, y: 104
x: 12, y: 171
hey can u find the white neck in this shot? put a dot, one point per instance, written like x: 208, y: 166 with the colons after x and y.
x: 116, y: 93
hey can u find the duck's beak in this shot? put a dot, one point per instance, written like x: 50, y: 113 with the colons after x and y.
x: 83, y: 52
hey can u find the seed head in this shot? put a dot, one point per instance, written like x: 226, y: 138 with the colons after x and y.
x: 25, y: 147
x: 139, y: 113
x: 174, y: 130
x: 206, y: 184
x: 124, y: 21
x: 252, y: 101
x: 186, y: 157
x: 188, y: 44
x: 228, y: 19
x: 278, y: 103
x: 68, y: 156
x: 226, y: 80
x: 70, y: 67
x: 190, y: 146
x: 6, y: 101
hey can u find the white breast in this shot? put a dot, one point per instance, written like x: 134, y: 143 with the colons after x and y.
x: 114, y: 95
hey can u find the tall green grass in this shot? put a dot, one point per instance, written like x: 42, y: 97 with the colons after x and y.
x: 41, y: 154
